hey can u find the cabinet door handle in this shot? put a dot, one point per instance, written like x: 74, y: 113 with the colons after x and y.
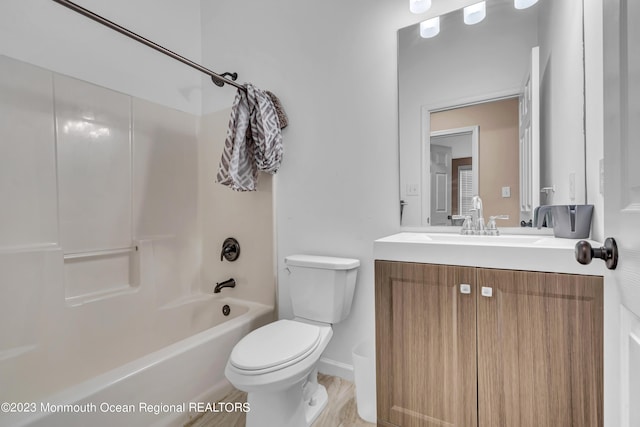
x: 487, y: 291
x: 465, y: 288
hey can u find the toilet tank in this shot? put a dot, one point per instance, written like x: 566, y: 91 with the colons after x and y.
x: 321, y: 287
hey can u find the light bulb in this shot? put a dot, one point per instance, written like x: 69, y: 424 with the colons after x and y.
x: 430, y: 28
x: 475, y: 13
x: 523, y: 4
x: 419, y: 6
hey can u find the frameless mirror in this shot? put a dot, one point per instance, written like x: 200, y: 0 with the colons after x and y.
x: 494, y: 109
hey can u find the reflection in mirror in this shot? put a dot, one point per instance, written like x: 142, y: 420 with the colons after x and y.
x: 495, y: 163
x: 517, y: 78
x: 454, y: 173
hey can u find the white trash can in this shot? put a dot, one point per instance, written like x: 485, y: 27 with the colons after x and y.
x: 364, y: 372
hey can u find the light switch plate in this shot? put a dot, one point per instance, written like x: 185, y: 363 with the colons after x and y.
x: 506, y: 192
x: 413, y: 190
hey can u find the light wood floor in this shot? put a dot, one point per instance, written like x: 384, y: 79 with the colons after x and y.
x: 340, y: 411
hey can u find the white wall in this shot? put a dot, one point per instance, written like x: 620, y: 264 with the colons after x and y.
x: 333, y: 66
x: 594, y: 112
x: 246, y: 216
x: 562, y: 143
x: 51, y: 36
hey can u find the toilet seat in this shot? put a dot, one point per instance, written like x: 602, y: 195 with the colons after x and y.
x: 275, y: 346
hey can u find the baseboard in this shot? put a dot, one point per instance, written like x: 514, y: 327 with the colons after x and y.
x: 335, y: 368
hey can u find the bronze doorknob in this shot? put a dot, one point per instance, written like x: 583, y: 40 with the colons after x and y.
x: 609, y: 252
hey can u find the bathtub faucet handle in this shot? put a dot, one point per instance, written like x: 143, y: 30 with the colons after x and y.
x: 230, y: 249
x: 225, y: 251
x: 231, y: 283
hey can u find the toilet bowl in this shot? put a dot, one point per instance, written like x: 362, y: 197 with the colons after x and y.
x: 277, y: 363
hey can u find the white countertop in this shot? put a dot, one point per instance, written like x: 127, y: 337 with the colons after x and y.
x: 514, y: 252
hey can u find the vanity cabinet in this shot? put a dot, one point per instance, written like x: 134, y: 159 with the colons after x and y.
x: 467, y: 346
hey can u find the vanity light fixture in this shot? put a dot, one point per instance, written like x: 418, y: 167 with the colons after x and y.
x: 419, y: 6
x: 523, y: 4
x: 475, y: 13
x: 430, y: 28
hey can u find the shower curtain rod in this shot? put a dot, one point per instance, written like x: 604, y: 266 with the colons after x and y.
x: 218, y: 79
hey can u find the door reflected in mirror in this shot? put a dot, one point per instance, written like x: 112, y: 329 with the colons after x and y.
x: 475, y: 149
x: 454, y: 153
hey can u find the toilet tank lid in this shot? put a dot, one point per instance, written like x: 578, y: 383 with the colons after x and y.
x: 325, y: 262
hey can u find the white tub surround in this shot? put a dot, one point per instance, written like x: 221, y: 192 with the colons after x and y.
x: 110, y: 238
x: 514, y: 252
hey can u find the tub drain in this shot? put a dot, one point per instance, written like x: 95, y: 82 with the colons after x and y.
x: 226, y: 310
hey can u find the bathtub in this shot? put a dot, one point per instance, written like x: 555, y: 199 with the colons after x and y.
x: 167, y: 386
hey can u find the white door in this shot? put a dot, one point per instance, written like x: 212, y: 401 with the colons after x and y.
x: 440, y: 185
x: 622, y: 211
x: 529, y: 130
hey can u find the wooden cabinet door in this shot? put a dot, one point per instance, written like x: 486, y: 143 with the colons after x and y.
x: 540, y: 344
x: 426, y: 345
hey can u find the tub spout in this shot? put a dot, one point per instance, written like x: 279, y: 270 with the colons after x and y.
x: 231, y: 283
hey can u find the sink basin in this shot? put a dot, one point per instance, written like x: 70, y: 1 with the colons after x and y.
x: 454, y: 238
x: 484, y: 240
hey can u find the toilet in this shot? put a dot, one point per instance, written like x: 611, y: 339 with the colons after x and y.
x: 277, y: 363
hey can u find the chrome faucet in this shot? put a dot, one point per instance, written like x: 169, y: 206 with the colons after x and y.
x: 231, y: 283
x: 492, y: 229
x: 474, y: 223
x: 477, y: 215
